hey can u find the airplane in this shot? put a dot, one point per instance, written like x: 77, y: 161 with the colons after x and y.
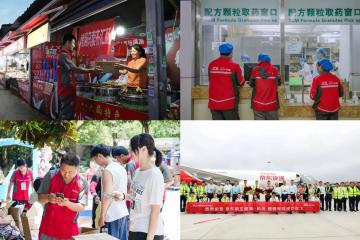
x: 218, y: 175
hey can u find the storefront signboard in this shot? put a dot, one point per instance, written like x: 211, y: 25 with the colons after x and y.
x: 240, y: 12
x: 322, y: 12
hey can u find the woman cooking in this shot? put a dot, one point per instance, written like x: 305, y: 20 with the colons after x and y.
x: 136, y: 69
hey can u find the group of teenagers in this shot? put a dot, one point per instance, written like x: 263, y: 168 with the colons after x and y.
x: 128, y: 191
x: 331, y: 196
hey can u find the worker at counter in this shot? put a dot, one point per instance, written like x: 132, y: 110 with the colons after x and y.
x: 66, y: 87
x: 136, y: 69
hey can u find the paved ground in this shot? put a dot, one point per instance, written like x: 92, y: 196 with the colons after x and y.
x: 321, y: 226
x: 13, y: 108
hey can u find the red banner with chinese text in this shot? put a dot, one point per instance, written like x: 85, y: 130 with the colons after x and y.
x: 252, y: 207
x: 87, y: 109
x: 95, y: 39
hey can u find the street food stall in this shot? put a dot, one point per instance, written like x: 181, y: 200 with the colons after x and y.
x: 106, y: 31
x: 14, y: 67
x: 296, y: 34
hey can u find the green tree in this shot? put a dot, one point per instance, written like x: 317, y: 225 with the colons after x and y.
x: 55, y: 134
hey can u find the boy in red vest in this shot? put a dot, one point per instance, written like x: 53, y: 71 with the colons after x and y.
x: 21, y: 180
x: 64, y: 193
x: 326, y: 90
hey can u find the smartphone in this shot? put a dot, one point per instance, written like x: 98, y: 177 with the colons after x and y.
x: 60, y: 195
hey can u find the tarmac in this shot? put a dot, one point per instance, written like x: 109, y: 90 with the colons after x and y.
x: 297, y: 226
x: 13, y: 108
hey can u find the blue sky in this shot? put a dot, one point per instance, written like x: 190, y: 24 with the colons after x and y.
x: 12, y: 9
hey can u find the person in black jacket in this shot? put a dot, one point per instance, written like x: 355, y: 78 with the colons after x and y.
x: 328, y: 196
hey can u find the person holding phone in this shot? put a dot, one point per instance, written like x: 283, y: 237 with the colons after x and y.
x: 64, y: 193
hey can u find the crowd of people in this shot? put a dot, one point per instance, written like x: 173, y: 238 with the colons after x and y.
x: 128, y: 189
x: 337, y: 197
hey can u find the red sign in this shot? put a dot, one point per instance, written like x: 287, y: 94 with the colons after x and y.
x: 122, y: 46
x: 45, y: 71
x: 87, y: 109
x: 95, y: 38
x: 44, y: 97
x: 24, y: 90
x: 252, y: 207
x: 172, y: 41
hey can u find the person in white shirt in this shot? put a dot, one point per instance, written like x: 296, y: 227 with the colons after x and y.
x: 235, y: 190
x: 113, y: 193
x: 215, y: 198
x: 239, y: 198
x: 293, y: 190
x: 321, y: 192
x: 210, y: 189
x: 227, y: 189
x: 284, y: 191
x: 277, y: 191
x: 219, y: 190
x: 147, y: 190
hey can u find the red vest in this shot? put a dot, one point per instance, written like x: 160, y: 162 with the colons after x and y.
x: 68, y: 90
x: 265, y: 97
x: 57, y: 221
x: 224, y: 77
x: 326, y: 90
x: 21, y: 185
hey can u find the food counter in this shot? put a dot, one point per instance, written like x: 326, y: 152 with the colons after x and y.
x: 287, y: 110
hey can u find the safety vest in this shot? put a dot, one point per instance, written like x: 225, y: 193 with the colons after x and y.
x: 191, y: 199
x: 224, y: 77
x: 345, y: 192
x: 225, y: 199
x: 357, y: 190
x: 184, y: 190
x: 194, y: 190
x: 328, y: 190
x: 352, y: 191
x: 201, y: 191
x: 326, y: 90
x: 338, y: 193
x: 265, y: 96
x: 247, y: 193
x: 58, y: 221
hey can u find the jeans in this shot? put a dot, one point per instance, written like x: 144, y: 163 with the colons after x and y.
x: 118, y: 228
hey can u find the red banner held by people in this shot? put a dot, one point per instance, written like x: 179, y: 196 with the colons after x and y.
x: 252, y: 207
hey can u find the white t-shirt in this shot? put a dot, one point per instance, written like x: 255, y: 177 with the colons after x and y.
x: 147, y: 189
x: 117, y: 209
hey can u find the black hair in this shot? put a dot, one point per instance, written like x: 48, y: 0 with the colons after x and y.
x: 20, y: 162
x: 100, y: 149
x: 37, y: 184
x: 225, y: 54
x: 146, y: 140
x: 118, y: 151
x: 140, y: 50
x: 68, y: 37
x: 71, y: 160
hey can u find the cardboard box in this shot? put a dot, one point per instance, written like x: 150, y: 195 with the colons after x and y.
x: 26, y: 227
x: 86, y: 230
x: 16, y: 212
x: 98, y: 236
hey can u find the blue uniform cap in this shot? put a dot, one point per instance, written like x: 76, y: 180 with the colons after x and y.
x: 245, y: 57
x: 323, y: 52
x: 326, y: 65
x: 226, y: 48
x: 264, y: 57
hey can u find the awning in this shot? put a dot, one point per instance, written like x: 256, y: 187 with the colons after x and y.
x: 187, y: 177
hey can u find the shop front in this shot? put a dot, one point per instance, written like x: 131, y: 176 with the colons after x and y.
x: 296, y: 34
x: 14, y: 67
